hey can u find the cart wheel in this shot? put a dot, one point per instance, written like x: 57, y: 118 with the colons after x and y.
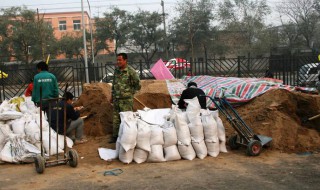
x: 254, y: 148
x: 40, y: 163
x: 73, y: 158
x: 233, y: 142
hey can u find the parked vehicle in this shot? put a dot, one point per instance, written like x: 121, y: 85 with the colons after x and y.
x: 308, y: 75
x: 177, y: 63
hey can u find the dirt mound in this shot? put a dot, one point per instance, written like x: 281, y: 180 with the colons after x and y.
x: 277, y: 113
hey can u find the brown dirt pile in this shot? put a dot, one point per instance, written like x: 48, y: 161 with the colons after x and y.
x: 277, y: 113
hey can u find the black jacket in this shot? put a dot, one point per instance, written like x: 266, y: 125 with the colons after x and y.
x: 71, y: 115
x: 190, y: 93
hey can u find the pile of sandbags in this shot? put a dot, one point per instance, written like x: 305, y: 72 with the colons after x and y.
x: 20, y: 132
x: 172, y: 134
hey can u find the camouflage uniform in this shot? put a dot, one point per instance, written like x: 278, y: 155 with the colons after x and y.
x: 125, y: 84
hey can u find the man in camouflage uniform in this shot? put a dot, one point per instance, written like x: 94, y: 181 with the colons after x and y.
x: 125, y: 84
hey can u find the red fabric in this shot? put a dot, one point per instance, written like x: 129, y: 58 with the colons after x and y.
x: 29, y: 90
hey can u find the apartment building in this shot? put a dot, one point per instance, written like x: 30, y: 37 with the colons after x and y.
x: 70, y: 23
x: 67, y: 23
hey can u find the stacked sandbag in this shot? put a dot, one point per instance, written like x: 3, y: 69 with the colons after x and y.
x: 184, y: 134
x: 143, y: 146
x: 221, y: 131
x: 196, y: 128
x: 127, y: 137
x: 19, y: 117
x: 184, y: 138
x: 210, y: 133
x: 17, y: 150
x: 171, y: 151
x: 156, y: 142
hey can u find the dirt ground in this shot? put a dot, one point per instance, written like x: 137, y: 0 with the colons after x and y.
x: 291, y: 162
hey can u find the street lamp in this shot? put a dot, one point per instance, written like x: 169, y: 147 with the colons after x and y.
x: 84, y: 44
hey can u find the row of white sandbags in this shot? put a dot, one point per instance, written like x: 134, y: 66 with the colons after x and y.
x: 186, y: 135
x: 26, y: 124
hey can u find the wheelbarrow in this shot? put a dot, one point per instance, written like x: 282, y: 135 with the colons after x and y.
x: 245, y: 135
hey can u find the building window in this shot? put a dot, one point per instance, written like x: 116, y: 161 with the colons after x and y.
x: 76, y: 25
x: 62, y: 25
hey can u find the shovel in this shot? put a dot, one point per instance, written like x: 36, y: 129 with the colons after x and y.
x: 304, y: 120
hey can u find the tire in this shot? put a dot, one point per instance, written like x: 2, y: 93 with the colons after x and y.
x: 73, y: 158
x: 232, y: 142
x: 39, y: 161
x: 254, y: 148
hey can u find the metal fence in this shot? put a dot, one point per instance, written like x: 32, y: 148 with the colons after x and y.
x: 293, y: 70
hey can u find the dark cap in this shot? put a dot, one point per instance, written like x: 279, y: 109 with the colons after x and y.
x: 192, y: 84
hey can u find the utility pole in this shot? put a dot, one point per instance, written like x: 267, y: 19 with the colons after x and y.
x: 92, y: 50
x: 164, y: 28
x: 84, y: 44
x: 41, y: 34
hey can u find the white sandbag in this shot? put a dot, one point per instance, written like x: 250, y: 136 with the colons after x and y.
x: 143, y: 136
x: 6, y: 153
x: 156, y: 137
x: 171, y: 153
x: 213, y: 148
x: 10, y: 115
x: 17, y: 126
x: 221, y: 132
x: 156, y: 154
x: 209, y: 126
x: 140, y: 156
x: 200, y: 148
x: 32, y: 130
x: 169, y: 134
x: 52, y: 149
x: 172, y: 114
x: 23, y: 107
x: 181, y: 125
x: 223, y: 147
x: 154, y: 116
x: 128, y: 139
x: 4, y: 106
x: 45, y: 123
x: 186, y: 151
x: 69, y: 142
x: 5, y: 131
x: 18, y: 150
x: 128, y: 115
x: 196, y: 132
x: 30, y: 104
x: 125, y: 156
x: 193, y: 108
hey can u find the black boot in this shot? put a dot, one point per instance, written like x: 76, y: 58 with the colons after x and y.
x: 113, y: 140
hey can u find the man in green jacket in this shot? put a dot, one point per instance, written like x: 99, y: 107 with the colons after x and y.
x: 125, y: 84
x: 49, y: 85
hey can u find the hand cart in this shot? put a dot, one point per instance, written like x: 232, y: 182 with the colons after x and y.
x: 245, y: 135
x: 71, y: 157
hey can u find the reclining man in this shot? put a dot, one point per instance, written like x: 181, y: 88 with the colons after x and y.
x: 74, y: 121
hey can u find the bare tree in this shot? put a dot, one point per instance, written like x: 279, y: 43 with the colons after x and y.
x: 304, y: 15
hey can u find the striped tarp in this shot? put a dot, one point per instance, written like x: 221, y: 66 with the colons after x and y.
x: 235, y: 90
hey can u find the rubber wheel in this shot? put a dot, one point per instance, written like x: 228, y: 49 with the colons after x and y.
x: 40, y: 164
x: 254, y: 148
x: 233, y: 142
x: 73, y: 158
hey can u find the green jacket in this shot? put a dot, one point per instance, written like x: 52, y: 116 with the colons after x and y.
x: 49, y: 86
x: 125, y: 83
